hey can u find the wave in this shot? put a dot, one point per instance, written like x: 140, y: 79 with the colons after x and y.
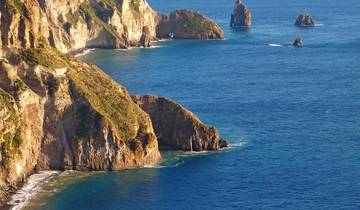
x: 238, y: 144
x: 85, y: 52
x: 275, y: 45
x: 319, y: 24
x: 165, y: 166
x: 35, y: 181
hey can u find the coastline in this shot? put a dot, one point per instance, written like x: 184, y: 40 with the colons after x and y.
x: 34, y: 182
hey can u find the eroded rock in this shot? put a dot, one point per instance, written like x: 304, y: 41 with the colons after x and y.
x: 188, y: 24
x: 298, y: 42
x: 177, y: 128
x: 305, y: 20
x: 241, y: 16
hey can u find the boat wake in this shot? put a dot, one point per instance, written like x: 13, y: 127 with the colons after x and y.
x: 275, y: 45
x: 35, y: 181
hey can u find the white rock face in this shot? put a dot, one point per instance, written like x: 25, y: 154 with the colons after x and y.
x: 70, y: 25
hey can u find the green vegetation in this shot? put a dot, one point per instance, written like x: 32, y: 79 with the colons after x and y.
x: 198, y: 23
x: 16, y: 6
x: 108, y: 99
x: 9, y: 144
x: 135, y: 5
x: 89, y: 13
x: 45, y: 56
x: 73, y: 18
x: 105, y: 96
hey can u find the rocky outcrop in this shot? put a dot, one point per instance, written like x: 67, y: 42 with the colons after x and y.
x: 59, y: 113
x: 145, y: 39
x: 177, y: 128
x: 72, y: 25
x: 241, y: 16
x: 187, y: 24
x: 298, y: 42
x: 305, y: 20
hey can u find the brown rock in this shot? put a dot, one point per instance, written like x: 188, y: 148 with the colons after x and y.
x: 60, y: 113
x: 298, y: 42
x: 305, y: 20
x: 177, y: 128
x: 241, y: 16
x: 187, y: 24
x: 145, y: 37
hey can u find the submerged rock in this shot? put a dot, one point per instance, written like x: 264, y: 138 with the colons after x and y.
x: 177, y: 128
x: 305, y: 20
x: 298, y: 42
x: 188, y: 24
x: 241, y: 16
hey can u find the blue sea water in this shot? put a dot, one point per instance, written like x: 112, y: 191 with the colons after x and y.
x: 292, y: 115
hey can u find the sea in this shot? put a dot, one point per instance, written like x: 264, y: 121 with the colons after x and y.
x: 291, y: 115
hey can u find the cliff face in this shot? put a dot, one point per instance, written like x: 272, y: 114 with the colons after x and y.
x: 177, y: 128
x: 187, y: 24
x: 70, y: 25
x: 59, y: 113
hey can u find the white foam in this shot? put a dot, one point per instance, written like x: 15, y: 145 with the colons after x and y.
x: 238, y: 144
x: 275, y: 45
x: 35, y: 181
x: 85, y: 52
x: 319, y: 24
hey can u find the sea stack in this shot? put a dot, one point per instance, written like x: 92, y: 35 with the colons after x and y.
x: 305, y: 20
x: 241, y: 16
x: 298, y: 42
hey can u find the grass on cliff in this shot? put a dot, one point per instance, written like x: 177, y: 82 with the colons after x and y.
x: 9, y: 144
x: 89, y: 13
x: 105, y: 96
x: 16, y: 6
x: 197, y: 22
x: 135, y: 5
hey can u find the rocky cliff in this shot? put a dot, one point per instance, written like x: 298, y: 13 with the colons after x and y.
x: 241, y: 16
x: 187, y: 24
x: 59, y: 113
x: 71, y: 25
x: 177, y: 128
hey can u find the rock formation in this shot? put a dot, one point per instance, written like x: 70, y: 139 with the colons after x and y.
x: 72, y: 25
x: 145, y: 37
x: 305, y: 20
x: 177, y: 128
x: 187, y: 24
x: 241, y: 16
x: 298, y: 42
x: 59, y: 113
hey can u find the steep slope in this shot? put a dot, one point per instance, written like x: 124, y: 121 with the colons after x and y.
x: 71, y: 25
x: 59, y: 113
x: 177, y: 128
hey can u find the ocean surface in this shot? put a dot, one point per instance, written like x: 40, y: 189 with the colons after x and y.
x: 292, y: 115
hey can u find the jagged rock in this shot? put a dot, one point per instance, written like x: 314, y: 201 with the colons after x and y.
x: 177, y: 128
x: 187, y: 24
x: 59, y: 113
x: 72, y: 25
x: 298, y: 42
x: 241, y: 16
x: 145, y: 37
x: 305, y: 20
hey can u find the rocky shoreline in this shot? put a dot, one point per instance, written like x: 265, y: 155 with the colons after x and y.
x: 59, y: 113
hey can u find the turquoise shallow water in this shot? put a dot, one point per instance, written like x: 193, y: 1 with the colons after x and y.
x: 292, y: 115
